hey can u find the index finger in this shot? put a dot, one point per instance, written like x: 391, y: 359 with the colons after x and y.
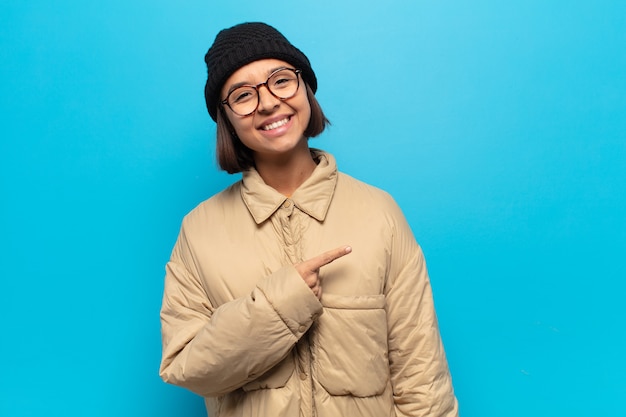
x: 327, y: 257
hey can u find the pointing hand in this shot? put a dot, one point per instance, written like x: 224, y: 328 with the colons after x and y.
x: 309, y: 269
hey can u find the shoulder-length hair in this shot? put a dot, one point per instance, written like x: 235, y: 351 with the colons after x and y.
x: 233, y: 156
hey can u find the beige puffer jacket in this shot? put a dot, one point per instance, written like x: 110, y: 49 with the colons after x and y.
x: 241, y: 328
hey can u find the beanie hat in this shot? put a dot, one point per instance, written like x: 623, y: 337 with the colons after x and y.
x: 245, y: 43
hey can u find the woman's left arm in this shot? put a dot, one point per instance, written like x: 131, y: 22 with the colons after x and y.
x: 420, y: 377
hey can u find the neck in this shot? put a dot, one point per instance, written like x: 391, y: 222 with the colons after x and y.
x: 285, y: 173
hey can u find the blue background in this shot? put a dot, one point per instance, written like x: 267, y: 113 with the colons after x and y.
x: 499, y: 127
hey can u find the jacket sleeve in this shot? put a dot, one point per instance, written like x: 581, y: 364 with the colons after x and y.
x: 420, y: 376
x: 215, y: 350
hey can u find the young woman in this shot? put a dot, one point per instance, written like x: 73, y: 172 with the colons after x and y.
x: 297, y: 291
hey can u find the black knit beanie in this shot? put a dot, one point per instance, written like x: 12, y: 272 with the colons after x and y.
x: 242, y: 44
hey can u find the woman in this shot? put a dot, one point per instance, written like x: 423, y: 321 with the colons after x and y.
x: 267, y: 311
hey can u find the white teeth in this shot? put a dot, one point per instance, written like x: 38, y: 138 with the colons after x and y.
x: 276, y: 124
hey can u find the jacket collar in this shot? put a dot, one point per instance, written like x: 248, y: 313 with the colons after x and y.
x: 313, y: 197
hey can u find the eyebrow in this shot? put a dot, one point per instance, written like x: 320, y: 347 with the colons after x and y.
x: 243, y: 83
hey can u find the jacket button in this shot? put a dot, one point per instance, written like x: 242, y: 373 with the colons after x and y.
x: 287, y: 204
x: 303, y: 376
x: 301, y: 329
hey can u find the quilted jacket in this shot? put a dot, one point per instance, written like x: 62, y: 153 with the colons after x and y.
x: 242, y: 329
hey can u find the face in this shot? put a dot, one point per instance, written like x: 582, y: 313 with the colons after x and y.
x: 277, y: 126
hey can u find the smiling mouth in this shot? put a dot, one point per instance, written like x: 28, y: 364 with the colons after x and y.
x: 277, y: 124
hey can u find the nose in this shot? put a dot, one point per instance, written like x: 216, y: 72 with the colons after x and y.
x: 267, y: 101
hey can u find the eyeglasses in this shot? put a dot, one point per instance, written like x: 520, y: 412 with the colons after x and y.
x: 282, y: 84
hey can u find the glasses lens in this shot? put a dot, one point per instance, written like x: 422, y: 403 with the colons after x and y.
x: 283, y: 84
x: 243, y: 100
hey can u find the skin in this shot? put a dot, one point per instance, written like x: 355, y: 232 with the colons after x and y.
x: 282, y: 157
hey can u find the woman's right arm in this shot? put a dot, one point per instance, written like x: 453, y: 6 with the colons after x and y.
x: 215, y: 350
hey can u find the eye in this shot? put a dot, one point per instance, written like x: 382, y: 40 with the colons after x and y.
x: 241, y: 95
x: 283, y: 79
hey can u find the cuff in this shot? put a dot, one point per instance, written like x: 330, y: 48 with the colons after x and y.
x: 292, y: 299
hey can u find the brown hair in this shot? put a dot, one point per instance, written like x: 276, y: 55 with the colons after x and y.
x: 233, y: 156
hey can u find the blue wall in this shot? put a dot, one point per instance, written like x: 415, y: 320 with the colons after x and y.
x: 499, y: 127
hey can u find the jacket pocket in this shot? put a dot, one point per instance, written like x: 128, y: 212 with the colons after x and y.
x: 350, y: 345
